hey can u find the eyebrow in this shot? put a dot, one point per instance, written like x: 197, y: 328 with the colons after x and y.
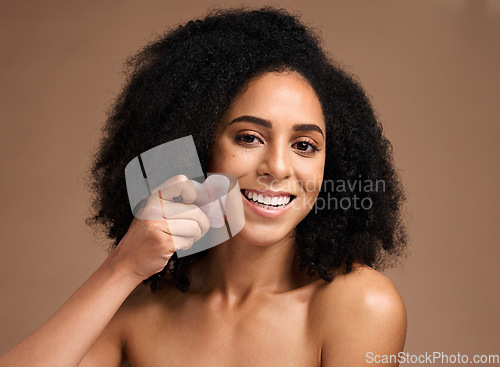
x: 263, y: 122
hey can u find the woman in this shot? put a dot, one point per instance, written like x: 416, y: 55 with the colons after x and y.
x: 297, y: 285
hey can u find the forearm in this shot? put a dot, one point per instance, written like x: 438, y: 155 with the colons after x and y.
x: 65, y: 338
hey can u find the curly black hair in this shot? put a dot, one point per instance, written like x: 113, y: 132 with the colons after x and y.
x: 182, y: 83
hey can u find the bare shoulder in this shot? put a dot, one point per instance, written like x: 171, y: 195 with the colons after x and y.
x: 365, y: 287
x: 359, y: 314
x: 140, y: 305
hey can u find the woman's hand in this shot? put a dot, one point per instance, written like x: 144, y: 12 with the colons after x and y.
x: 164, y: 227
x: 169, y: 221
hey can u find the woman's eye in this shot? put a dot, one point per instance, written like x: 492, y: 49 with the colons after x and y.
x: 306, y: 147
x: 247, y: 138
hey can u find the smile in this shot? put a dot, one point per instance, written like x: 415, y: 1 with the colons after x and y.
x: 267, y: 204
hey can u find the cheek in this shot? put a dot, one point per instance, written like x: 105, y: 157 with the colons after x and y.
x: 226, y: 160
x: 311, y: 175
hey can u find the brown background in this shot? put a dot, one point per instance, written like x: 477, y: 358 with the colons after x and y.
x: 431, y: 67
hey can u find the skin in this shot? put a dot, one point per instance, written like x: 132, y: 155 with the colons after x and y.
x: 248, y: 304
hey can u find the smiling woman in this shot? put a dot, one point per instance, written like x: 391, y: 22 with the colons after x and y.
x: 273, y: 141
x: 296, y: 286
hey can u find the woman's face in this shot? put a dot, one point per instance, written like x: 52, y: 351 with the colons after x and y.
x: 272, y: 138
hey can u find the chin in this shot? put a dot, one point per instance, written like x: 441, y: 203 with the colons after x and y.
x: 263, y: 237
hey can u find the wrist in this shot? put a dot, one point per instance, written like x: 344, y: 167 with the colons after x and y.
x: 119, y: 271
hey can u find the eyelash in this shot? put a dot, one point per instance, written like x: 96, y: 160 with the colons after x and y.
x: 314, y: 147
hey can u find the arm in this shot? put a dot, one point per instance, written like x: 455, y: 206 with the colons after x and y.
x: 365, y: 322
x: 67, y: 336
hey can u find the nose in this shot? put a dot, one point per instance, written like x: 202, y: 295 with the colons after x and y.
x: 275, y: 163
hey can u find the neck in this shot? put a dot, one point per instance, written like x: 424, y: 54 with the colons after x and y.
x: 237, y: 269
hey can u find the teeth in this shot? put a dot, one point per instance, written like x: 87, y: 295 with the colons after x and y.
x: 267, y: 200
x: 260, y: 198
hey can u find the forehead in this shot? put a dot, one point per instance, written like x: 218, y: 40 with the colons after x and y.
x: 281, y: 97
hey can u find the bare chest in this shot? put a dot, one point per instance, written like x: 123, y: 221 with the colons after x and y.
x: 273, y: 333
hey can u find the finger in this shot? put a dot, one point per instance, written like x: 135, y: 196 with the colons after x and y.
x: 164, y: 227
x: 182, y: 243
x: 185, y: 228
x: 187, y: 211
x: 157, y: 209
x: 177, y: 186
x: 153, y: 209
